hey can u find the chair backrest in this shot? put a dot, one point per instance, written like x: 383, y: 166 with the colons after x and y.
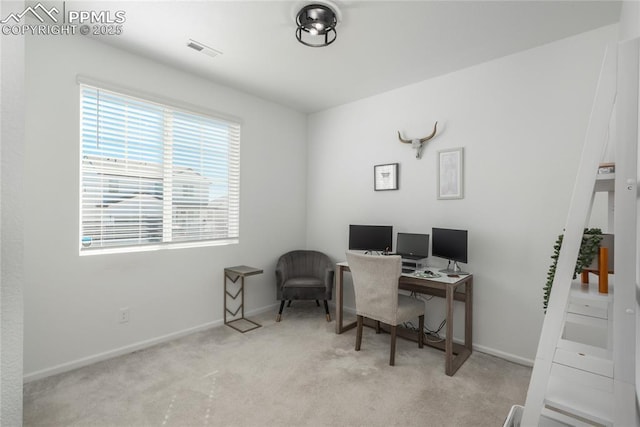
x: 375, y: 283
x: 304, y: 263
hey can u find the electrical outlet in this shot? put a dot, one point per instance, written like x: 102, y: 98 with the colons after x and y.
x: 124, y: 315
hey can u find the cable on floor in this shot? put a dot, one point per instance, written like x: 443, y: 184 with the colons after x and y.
x: 430, y: 335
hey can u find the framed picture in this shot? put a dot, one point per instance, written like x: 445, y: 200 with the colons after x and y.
x: 385, y: 177
x: 451, y: 174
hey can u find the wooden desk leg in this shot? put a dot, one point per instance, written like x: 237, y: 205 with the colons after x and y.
x: 339, y: 300
x: 448, y: 344
x: 468, y: 315
x: 340, y: 326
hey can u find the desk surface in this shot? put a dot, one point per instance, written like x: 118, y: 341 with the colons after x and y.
x: 444, y: 278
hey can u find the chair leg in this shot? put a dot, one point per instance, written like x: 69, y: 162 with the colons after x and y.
x: 326, y: 310
x: 318, y: 303
x: 289, y: 305
x: 359, y: 332
x: 279, y: 316
x: 421, y: 331
x: 392, y: 357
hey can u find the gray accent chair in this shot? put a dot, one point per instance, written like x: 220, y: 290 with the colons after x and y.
x: 304, y: 275
x: 375, y: 283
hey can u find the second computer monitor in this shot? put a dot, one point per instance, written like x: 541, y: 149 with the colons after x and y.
x: 451, y: 245
x: 412, y: 245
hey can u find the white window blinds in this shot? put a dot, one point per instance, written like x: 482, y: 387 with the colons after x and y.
x: 152, y: 174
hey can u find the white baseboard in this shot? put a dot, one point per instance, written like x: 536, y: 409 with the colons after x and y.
x: 503, y: 355
x: 89, y: 360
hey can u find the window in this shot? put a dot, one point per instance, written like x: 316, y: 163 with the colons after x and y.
x: 155, y: 175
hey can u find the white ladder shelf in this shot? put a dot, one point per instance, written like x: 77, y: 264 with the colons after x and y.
x: 585, y: 367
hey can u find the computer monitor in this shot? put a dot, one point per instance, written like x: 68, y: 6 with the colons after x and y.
x: 412, y: 245
x: 370, y: 238
x: 451, y: 245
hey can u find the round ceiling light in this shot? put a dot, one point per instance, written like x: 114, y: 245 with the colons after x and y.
x: 316, y: 25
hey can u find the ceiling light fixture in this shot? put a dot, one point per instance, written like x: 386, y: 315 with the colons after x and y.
x: 316, y: 25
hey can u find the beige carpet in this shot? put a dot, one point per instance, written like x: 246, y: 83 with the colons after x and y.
x: 294, y: 373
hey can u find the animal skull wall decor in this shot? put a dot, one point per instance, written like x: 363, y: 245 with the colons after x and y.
x: 418, y: 143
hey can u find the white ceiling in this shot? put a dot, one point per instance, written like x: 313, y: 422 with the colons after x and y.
x: 381, y: 45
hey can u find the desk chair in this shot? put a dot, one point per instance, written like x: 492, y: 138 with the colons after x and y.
x: 375, y: 282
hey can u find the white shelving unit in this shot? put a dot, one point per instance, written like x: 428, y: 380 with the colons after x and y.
x: 585, y: 367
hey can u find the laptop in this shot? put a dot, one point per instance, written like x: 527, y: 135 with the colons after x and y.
x: 412, y: 246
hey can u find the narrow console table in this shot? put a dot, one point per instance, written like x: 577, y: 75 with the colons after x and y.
x: 445, y: 287
x: 241, y: 323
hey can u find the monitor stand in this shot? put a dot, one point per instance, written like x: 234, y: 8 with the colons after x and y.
x: 453, y: 270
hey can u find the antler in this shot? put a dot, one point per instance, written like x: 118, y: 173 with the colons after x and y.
x: 425, y: 139
x: 406, y: 141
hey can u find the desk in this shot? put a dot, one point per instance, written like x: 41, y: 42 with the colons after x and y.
x: 449, y: 289
x: 233, y: 273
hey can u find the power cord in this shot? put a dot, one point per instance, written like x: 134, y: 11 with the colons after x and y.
x: 429, y: 334
x: 434, y: 336
x: 423, y: 297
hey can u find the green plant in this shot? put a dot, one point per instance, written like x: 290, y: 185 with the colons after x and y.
x: 591, y: 239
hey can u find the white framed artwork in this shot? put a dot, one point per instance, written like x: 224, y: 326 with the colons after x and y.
x: 385, y: 177
x: 451, y: 174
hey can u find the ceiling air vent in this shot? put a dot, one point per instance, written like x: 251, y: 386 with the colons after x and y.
x: 203, y: 48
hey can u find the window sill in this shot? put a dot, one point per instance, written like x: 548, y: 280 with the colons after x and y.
x: 159, y: 247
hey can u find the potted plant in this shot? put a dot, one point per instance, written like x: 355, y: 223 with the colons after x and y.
x: 589, y: 246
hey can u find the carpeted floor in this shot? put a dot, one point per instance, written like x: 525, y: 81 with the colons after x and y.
x: 294, y: 373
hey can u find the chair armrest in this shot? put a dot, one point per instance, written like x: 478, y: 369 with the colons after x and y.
x: 328, y: 277
x: 281, y: 276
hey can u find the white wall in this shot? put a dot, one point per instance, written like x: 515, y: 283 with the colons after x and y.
x: 11, y: 223
x: 71, y: 302
x: 521, y: 120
